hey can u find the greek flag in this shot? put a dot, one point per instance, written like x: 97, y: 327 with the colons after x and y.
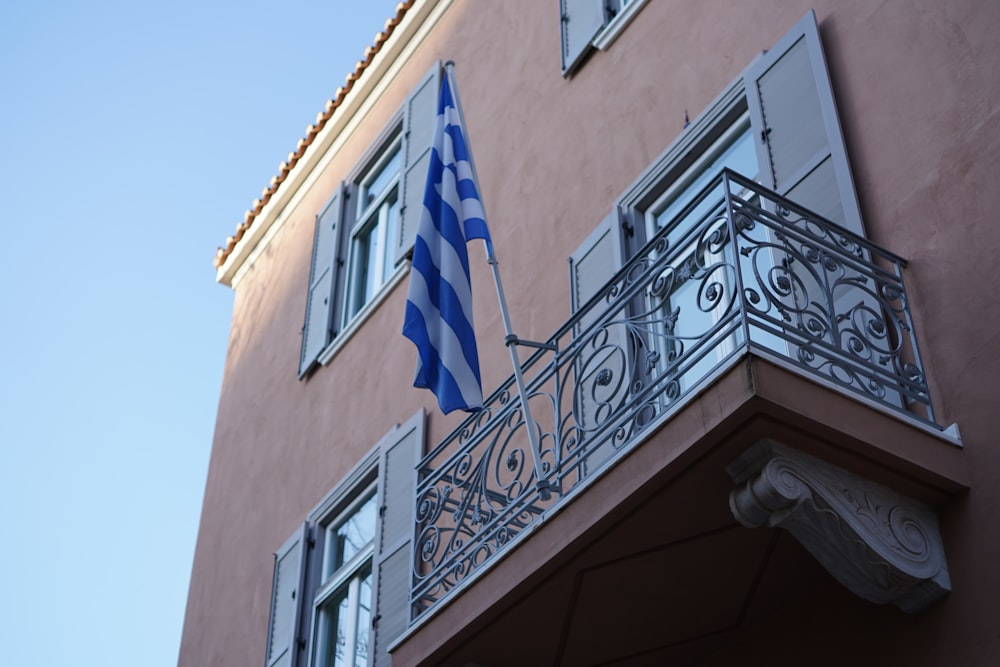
x: 439, y: 303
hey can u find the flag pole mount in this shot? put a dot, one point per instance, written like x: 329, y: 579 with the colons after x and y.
x: 511, y: 339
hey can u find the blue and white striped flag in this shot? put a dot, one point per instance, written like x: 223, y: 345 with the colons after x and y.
x: 439, y: 302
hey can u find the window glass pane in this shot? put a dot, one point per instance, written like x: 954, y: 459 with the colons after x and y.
x: 364, y: 620
x: 352, y: 535
x: 376, y: 184
x: 701, y: 297
x: 368, y: 276
x: 344, y: 623
x: 372, y: 254
x: 366, y: 251
x: 739, y: 154
x: 333, y: 630
x: 364, y: 265
x: 392, y: 239
x: 375, y: 231
x: 700, y: 273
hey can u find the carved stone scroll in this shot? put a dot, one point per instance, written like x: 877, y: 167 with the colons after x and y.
x: 881, y: 545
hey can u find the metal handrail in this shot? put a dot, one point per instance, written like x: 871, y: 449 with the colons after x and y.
x: 741, y: 269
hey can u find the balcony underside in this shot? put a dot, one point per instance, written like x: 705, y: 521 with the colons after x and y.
x: 649, y: 565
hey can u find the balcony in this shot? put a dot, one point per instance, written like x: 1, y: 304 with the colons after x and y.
x: 759, y: 322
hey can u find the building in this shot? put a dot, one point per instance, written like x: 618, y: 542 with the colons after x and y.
x: 757, y: 442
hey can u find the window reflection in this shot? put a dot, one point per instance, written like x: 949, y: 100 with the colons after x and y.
x: 376, y: 230
x: 701, y: 282
x: 352, y: 535
x: 343, y: 603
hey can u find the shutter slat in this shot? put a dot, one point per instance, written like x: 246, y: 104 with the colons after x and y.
x: 317, y: 329
x: 286, y: 601
x: 316, y: 333
x: 800, y: 144
x: 397, y: 478
x: 791, y: 104
x: 814, y: 187
x: 394, y: 595
x: 397, y: 520
x: 593, y: 263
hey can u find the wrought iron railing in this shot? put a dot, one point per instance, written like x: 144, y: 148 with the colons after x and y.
x: 740, y: 269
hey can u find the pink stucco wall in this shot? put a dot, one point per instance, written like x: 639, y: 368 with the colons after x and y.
x: 918, y: 88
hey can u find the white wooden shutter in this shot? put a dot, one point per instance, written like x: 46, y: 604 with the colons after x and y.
x: 580, y: 20
x: 591, y: 267
x: 286, y: 601
x: 399, y: 456
x: 801, y: 150
x: 317, y: 329
x: 800, y: 145
x: 418, y: 134
x: 593, y: 263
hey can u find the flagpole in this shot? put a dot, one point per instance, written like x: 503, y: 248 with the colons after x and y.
x: 545, y: 487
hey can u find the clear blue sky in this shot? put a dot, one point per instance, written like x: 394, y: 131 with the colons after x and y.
x: 133, y: 136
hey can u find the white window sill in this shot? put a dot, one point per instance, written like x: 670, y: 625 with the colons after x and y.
x: 355, y: 324
x: 609, y: 33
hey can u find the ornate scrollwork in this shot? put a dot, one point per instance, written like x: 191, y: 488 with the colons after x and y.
x: 754, y: 271
x: 815, y: 287
x: 881, y: 545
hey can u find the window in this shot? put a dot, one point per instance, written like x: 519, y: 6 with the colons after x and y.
x: 733, y: 149
x: 342, y: 606
x: 592, y: 23
x: 375, y: 233
x: 667, y: 205
x: 339, y: 595
x: 366, y: 230
x: 693, y: 314
x: 799, y: 149
x: 776, y: 124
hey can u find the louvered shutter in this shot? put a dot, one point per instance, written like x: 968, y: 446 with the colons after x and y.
x: 317, y: 329
x: 397, y: 477
x: 591, y: 267
x: 580, y: 20
x: 800, y: 145
x: 593, y: 263
x: 801, y: 150
x: 286, y: 601
x: 418, y: 134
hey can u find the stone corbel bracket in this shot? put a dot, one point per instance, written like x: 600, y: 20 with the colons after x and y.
x: 881, y: 545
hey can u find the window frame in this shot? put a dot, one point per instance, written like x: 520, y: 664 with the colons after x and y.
x: 617, y: 23
x: 330, y: 317
x: 715, y: 142
x: 683, y: 154
x: 721, y: 138
x: 744, y: 94
x: 325, y: 622
x: 767, y: 90
x: 347, y: 577
x: 387, y: 147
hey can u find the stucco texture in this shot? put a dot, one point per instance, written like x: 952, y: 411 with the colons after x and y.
x: 918, y: 90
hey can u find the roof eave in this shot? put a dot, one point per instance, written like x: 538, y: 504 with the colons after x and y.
x: 362, y: 85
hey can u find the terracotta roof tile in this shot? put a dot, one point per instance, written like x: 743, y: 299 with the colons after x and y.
x: 222, y: 253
